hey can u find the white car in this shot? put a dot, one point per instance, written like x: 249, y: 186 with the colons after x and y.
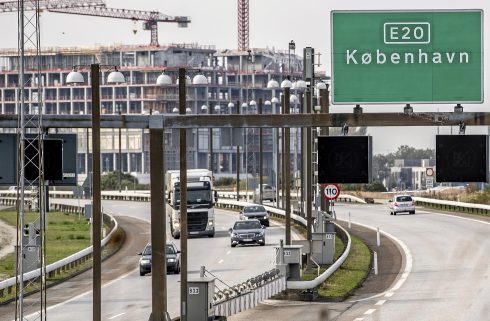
x: 402, y: 203
x: 268, y: 193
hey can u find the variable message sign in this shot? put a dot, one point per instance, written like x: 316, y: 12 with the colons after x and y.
x: 407, y: 56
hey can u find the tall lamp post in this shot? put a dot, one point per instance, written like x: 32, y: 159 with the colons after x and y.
x: 253, y: 105
x: 199, y: 79
x: 292, y: 47
x: 286, y: 86
x: 114, y: 77
x: 300, y: 87
x: 273, y: 85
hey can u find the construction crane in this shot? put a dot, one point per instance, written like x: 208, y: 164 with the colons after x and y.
x: 243, y: 24
x: 97, y: 8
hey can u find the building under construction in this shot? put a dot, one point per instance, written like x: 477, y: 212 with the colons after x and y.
x: 235, y: 78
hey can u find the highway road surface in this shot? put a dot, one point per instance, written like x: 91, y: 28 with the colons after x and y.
x: 446, y: 271
x: 448, y: 266
x: 129, y: 297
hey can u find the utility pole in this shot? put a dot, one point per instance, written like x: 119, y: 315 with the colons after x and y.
x: 287, y: 167
x: 238, y: 106
x: 324, y: 131
x: 183, y: 199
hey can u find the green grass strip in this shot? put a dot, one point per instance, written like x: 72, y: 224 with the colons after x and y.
x: 350, y: 275
x: 66, y: 234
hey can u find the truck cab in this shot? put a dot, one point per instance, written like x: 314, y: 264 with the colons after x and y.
x: 200, y: 203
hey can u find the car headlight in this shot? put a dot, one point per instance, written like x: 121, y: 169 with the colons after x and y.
x: 265, y: 217
x: 210, y: 223
x: 233, y: 235
x: 171, y: 260
x: 145, y: 261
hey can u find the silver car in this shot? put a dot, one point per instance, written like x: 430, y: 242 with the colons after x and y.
x: 268, y: 193
x: 255, y: 211
x: 402, y: 203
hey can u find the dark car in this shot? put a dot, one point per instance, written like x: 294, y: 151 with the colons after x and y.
x: 255, y: 212
x: 247, y: 232
x: 173, y: 259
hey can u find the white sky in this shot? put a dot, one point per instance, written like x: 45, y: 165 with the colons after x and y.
x: 273, y: 23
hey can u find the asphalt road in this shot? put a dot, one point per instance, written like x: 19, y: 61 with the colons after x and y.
x: 449, y: 275
x: 447, y: 270
x: 129, y: 297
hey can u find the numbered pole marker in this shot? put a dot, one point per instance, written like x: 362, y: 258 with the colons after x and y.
x: 331, y: 191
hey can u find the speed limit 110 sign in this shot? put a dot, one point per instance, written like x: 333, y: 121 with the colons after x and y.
x: 331, y: 191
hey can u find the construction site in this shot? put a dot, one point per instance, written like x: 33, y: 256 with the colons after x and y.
x: 237, y: 77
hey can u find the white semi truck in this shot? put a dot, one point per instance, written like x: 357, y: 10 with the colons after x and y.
x: 200, y: 202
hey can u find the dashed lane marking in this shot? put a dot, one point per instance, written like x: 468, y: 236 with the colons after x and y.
x: 117, y: 315
x: 370, y: 311
x: 228, y: 253
x: 380, y: 302
x: 358, y: 319
x: 221, y: 261
x: 389, y: 294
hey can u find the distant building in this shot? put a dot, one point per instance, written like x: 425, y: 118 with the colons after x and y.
x: 233, y: 76
x: 410, y: 174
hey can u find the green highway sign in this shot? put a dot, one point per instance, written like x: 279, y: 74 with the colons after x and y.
x: 407, y: 56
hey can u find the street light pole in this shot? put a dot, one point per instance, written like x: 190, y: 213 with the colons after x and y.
x: 238, y: 106
x: 292, y: 46
x: 96, y: 197
x: 261, y: 143
x: 287, y: 168
x: 75, y: 77
x: 119, y: 165
x: 210, y: 140
x: 183, y: 199
x: 324, y: 131
x: 158, y: 226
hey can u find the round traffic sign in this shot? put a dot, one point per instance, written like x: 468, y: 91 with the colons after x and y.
x: 429, y: 171
x: 331, y: 191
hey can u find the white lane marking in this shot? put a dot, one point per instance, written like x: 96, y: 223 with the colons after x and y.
x: 117, y: 315
x: 358, y: 319
x: 408, y: 263
x: 380, y: 302
x: 221, y: 261
x: 389, y: 294
x: 228, y: 253
x: 83, y: 294
x: 461, y: 218
x: 370, y: 311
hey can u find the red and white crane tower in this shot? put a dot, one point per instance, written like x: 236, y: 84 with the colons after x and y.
x: 243, y: 25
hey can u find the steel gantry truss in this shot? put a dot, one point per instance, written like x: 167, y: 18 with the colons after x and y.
x: 30, y: 247
x: 97, y: 8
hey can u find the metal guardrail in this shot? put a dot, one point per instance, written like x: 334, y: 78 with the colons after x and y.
x: 305, y: 285
x: 342, y: 197
x: 248, y: 294
x: 9, y: 197
x: 453, y: 206
x: 7, y: 286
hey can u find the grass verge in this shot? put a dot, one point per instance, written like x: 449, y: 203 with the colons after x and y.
x: 347, y: 278
x: 350, y: 275
x: 66, y: 234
